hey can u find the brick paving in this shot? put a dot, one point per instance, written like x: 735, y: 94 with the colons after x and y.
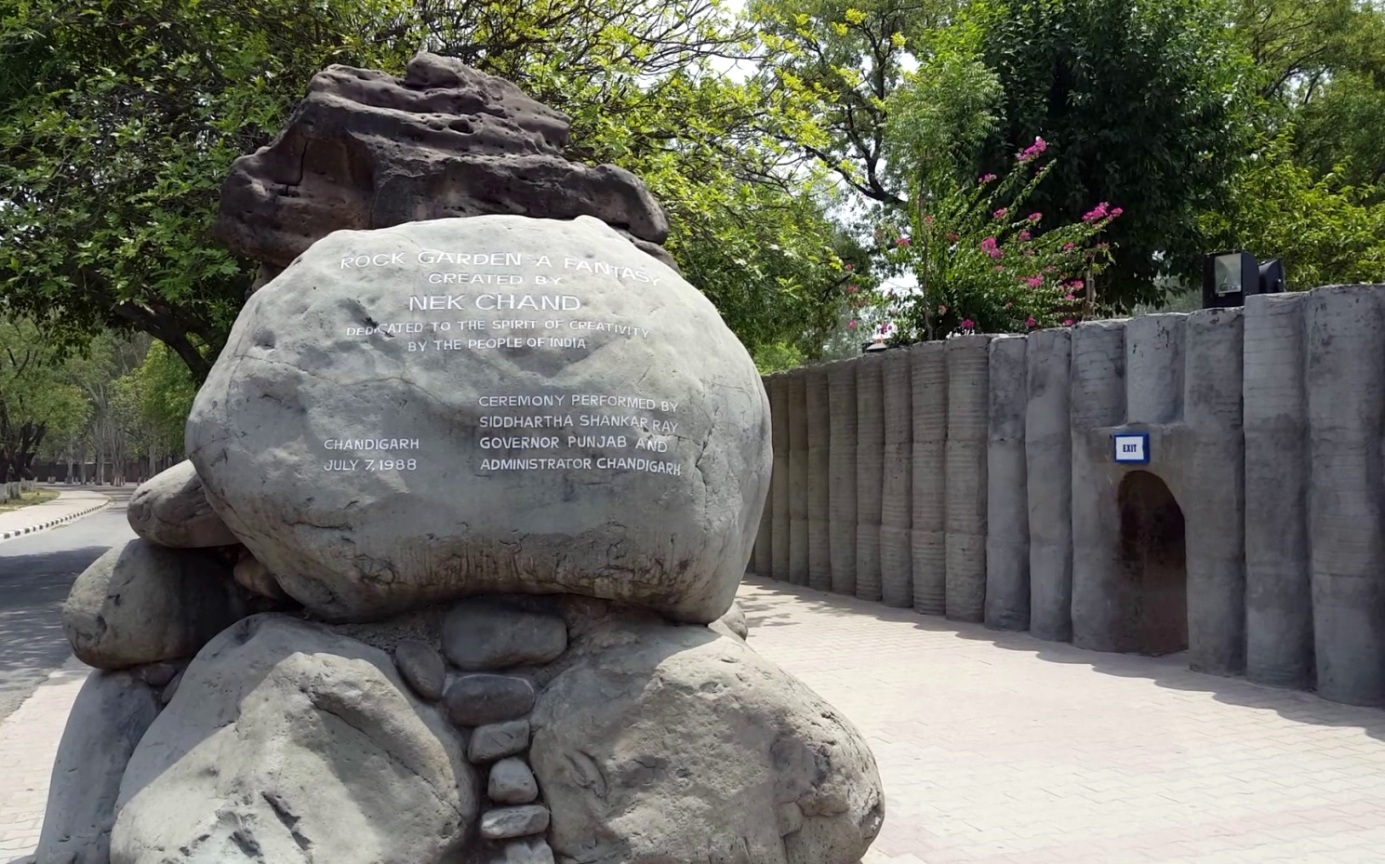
x: 999, y: 748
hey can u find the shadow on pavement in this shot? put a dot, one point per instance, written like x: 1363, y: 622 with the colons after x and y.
x: 1169, y: 671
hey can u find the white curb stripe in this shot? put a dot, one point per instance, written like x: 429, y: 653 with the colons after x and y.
x: 68, y: 518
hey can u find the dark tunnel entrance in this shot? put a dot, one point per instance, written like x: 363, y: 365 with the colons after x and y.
x: 1155, y: 566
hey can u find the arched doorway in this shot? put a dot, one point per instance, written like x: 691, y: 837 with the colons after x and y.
x: 1154, y: 564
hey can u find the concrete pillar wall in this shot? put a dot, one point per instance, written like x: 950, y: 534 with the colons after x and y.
x: 968, y: 413
x: 841, y: 457
x: 1154, y: 368
x: 819, y: 421
x: 897, y: 492
x: 1279, y: 596
x: 1346, y: 409
x: 928, y: 383
x: 798, y: 476
x: 778, y: 388
x: 1097, y: 399
x: 1007, y: 496
x: 870, y: 473
x: 1214, y: 498
x: 1048, y: 464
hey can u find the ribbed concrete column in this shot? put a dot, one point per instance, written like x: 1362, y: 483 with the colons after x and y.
x: 1346, y: 412
x: 1048, y: 458
x: 896, y: 566
x: 778, y: 388
x: 928, y: 380
x: 1099, y: 596
x: 1007, y: 488
x: 968, y: 415
x: 841, y: 396
x: 819, y: 421
x: 1279, y: 594
x: 870, y: 472
x: 1214, y: 512
x: 1154, y: 368
x: 798, y: 477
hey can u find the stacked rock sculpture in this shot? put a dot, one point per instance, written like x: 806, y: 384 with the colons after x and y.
x: 450, y: 577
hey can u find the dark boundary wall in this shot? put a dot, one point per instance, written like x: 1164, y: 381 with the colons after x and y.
x: 976, y: 478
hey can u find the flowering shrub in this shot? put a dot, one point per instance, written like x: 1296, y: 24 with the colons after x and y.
x: 981, y: 269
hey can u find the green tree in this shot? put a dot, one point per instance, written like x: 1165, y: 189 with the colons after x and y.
x: 1323, y: 229
x: 118, y: 121
x: 35, y: 398
x: 1147, y: 105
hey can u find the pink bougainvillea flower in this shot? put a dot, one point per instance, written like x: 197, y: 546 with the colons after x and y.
x: 1068, y: 247
x: 1034, y: 281
x: 985, y: 178
x: 1069, y: 297
x: 1067, y: 322
x: 968, y: 324
x: 1097, y: 213
x: 952, y: 236
x: 1030, y: 322
x: 928, y: 220
x: 1034, y: 150
x: 902, y: 241
x: 852, y: 289
x: 1116, y: 212
x: 851, y: 325
x: 1000, y: 214
x: 1076, y: 284
x: 991, y: 248
x: 1000, y: 268
x: 1025, y: 235
x: 850, y: 267
x: 1035, y: 217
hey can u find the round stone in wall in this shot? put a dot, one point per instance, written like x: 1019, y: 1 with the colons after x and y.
x: 489, y: 404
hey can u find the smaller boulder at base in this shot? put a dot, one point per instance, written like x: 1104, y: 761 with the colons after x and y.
x: 171, y: 509
x: 140, y: 603
x: 111, y: 714
x: 479, y: 635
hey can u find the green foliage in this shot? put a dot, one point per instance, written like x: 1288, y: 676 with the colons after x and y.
x: 35, y: 400
x: 1323, y: 229
x: 1147, y: 106
x: 983, y: 262
x: 118, y: 123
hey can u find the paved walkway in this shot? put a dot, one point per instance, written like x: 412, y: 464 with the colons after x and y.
x: 1002, y: 749
x: 69, y: 505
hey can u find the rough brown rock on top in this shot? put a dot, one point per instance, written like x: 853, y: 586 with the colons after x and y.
x: 367, y: 150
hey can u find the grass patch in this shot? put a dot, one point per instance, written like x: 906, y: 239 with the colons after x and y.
x: 28, y: 499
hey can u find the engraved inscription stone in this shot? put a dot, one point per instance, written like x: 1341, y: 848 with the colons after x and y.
x: 488, y: 404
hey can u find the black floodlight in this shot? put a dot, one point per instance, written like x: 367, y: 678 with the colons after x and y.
x: 1228, y: 278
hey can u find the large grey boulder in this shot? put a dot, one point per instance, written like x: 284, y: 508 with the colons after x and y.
x: 660, y: 744
x: 364, y: 149
x: 140, y: 603
x: 492, y: 404
x: 288, y: 743
x: 111, y: 714
x: 171, y: 509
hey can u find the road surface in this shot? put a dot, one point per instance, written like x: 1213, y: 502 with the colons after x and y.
x: 36, y: 573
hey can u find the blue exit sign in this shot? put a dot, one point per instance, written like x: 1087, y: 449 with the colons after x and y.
x: 1131, y: 448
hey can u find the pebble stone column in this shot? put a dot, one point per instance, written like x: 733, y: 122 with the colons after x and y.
x: 779, y: 477
x: 870, y: 472
x: 897, y: 492
x: 968, y: 412
x: 1279, y: 594
x: 819, y: 472
x: 841, y: 395
x: 928, y: 381
x: 798, y: 476
x: 1007, y: 488
x: 1346, y: 412
x: 1048, y: 462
